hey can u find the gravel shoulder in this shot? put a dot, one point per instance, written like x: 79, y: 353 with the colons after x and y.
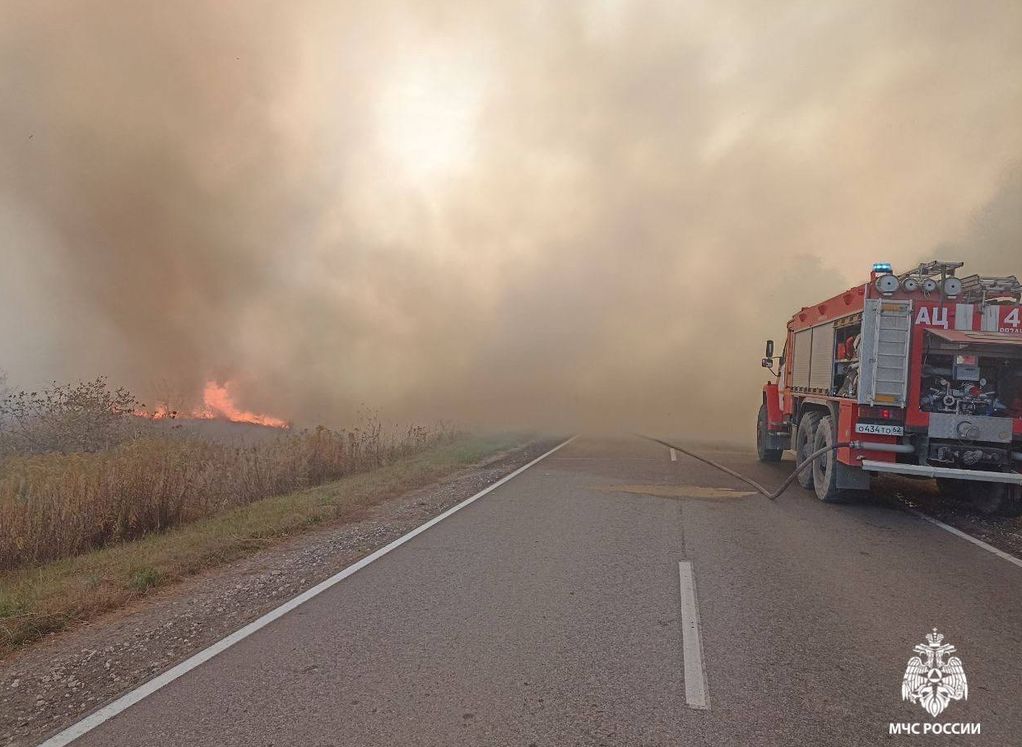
x: 47, y: 686
x: 1003, y: 533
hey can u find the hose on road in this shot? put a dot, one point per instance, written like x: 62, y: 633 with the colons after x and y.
x: 772, y: 495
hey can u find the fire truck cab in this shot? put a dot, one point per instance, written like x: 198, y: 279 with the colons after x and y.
x: 917, y: 374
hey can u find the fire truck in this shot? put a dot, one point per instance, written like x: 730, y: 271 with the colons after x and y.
x: 916, y: 374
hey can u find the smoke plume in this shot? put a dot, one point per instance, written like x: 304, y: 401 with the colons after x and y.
x: 574, y: 214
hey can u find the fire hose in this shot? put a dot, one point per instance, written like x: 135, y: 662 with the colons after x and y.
x: 772, y: 495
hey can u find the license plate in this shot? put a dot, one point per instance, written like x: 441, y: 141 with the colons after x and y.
x: 880, y: 430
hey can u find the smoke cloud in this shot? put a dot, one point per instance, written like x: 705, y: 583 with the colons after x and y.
x: 582, y: 214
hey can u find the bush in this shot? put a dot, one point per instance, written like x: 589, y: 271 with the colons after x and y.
x: 116, y: 480
x: 67, y: 418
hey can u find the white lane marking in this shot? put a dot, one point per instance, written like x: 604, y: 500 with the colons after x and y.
x: 674, y: 455
x: 969, y: 538
x: 129, y: 699
x: 696, y: 694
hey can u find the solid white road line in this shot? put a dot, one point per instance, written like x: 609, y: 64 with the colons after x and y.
x: 129, y: 699
x: 696, y: 694
x: 674, y: 455
x: 969, y: 538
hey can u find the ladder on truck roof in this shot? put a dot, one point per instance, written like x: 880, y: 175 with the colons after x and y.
x: 976, y: 289
x: 936, y: 267
x: 884, y: 352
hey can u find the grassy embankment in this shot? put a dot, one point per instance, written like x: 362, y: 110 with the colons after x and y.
x: 49, y: 596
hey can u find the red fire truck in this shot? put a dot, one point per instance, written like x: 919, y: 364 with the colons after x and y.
x: 919, y: 373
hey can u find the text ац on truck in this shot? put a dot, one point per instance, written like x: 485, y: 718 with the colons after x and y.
x: 920, y: 374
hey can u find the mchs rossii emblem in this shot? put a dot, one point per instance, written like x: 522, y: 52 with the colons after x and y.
x: 930, y: 680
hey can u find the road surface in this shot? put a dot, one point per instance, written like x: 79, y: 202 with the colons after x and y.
x: 610, y: 595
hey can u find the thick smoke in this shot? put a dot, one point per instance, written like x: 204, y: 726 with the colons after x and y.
x: 570, y: 214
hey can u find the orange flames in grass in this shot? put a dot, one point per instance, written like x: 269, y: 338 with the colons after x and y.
x: 217, y: 403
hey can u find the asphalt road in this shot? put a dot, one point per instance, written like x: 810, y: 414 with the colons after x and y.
x: 549, y: 612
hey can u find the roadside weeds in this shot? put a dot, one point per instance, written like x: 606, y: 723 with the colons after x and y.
x: 52, y: 597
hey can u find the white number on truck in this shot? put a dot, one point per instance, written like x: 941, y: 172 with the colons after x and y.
x: 880, y: 430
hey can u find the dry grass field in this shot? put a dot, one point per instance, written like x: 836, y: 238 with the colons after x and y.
x: 57, y: 505
x: 99, y: 505
x: 39, y: 599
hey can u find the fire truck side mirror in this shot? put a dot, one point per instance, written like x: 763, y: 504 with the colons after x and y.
x: 769, y: 349
x: 767, y: 363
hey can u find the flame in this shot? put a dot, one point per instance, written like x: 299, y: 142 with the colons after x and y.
x: 159, y: 412
x: 218, y: 402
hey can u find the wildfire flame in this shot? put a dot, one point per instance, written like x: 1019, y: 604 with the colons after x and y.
x: 217, y: 403
x: 160, y: 412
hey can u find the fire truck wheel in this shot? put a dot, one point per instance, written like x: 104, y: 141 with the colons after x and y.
x: 765, y: 454
x: 824, y: 468
x: 993, y: 499
x: 952, y: 489
x: 986, y: 497
x: 1012, y: 506
x: 804, y: 438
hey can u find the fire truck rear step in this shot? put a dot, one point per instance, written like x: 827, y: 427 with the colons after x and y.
x: 924, y: 470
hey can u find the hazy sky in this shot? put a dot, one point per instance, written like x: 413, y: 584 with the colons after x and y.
x: 574, y: 214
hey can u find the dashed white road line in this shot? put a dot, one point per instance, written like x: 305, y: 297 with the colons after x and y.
x: 145, y: 690
x: 696, y: 694
x: 969, y: 538
x: 674, y: 455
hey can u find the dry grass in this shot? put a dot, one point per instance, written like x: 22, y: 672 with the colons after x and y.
x: 35, y: 601
x: 57, y: 505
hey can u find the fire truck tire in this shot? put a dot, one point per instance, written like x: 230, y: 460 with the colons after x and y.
x: 986, y: 497
x: 765, y: 454
x: 951, y: 489
x: 993, y: 499
x: 1012, y: 506
x: 805, y: 437
x: 825, y: 467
